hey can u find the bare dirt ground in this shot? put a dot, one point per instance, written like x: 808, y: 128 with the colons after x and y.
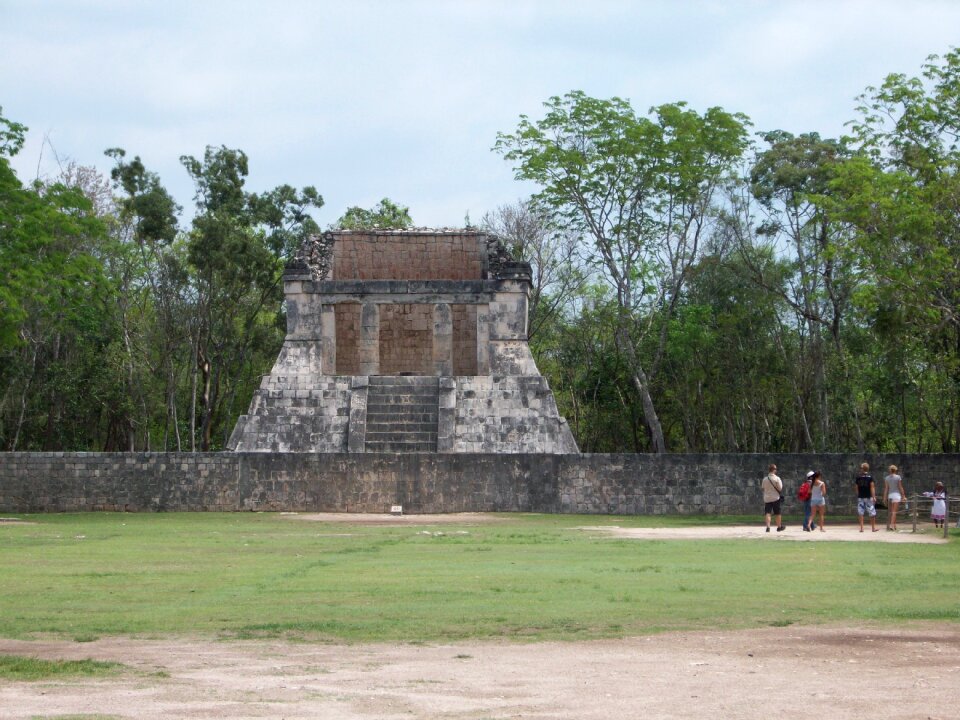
x: 845, y: 533
x: 841, y: 673
x: 825, y: 672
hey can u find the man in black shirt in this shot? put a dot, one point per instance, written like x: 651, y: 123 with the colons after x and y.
x: 866, y: 497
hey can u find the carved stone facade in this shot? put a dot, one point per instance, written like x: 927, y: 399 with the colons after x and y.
x: 405, y: 341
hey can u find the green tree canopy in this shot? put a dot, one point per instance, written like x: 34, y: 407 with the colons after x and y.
x: 642, y: 189
x: 384, y: 215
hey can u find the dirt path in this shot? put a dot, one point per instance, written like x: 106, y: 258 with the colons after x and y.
x: 824, y: 672
x: 843, y: 533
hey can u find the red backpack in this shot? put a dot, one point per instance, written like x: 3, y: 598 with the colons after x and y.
x: 803, y: 492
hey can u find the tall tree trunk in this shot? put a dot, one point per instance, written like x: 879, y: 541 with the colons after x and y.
x: 53, y: 402
x: 642, y: 384
x: 846, y: 382
x: 23, y: 398
x: 797, y: 394
x: 194, y: 370
x: 203, y: 364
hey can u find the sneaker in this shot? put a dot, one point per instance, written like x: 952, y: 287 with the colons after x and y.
x: 781, y: 528
x: 806, y: 529
x: 768, y: 529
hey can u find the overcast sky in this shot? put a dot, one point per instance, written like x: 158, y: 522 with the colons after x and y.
x: 404, y: 98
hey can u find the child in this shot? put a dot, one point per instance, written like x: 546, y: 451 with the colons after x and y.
x: 803, y: 495
x: 938, y: 513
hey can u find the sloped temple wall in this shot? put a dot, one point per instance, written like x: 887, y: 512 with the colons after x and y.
x: 444, y: 311
x: 432, y: 483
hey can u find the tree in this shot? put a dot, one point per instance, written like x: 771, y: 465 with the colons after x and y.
x: 901, y: 191
x: 154, y: 293
x: 790, y: 180
x: 52, y: 296
x: 237, y: 246
x: 551, y: 252
x: 386, y: 215
x: 642, y: 189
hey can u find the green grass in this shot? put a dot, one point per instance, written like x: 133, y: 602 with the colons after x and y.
x: 525, y: 577
x: 15, y: 667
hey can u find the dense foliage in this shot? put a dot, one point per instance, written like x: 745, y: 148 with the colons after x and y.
x: 695, y: 289
x: 122, y: 330
x: 807, y: 301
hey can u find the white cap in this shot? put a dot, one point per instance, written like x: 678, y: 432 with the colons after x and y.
x: 810, y: 474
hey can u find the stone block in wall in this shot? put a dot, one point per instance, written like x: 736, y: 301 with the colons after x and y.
x: 357, y: 435
x: 511, y: 357
x: 508, y: 316
x: 303, y: 312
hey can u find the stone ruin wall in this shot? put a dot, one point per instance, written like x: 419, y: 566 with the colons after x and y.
x: 446, y: 304
x: 722, y: 483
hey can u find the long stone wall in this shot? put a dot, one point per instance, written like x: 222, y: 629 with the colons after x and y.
x: 428, y: 483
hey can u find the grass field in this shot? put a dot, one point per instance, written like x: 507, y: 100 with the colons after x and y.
x: 24, y: 668
x: 522, y: 576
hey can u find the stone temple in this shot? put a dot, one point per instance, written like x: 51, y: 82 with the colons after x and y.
x: 404, y: 341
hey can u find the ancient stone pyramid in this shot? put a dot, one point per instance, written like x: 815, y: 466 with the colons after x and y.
x: 404, y: 341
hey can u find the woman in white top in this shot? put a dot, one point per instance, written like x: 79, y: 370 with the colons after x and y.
x: 894, y: 492
x: 818, y: 500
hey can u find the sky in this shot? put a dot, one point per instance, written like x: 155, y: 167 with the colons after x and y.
x: 365, y: 99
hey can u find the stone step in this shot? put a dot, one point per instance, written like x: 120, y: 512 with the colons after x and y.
x: 395, y: 437
x: 400, y: 426
x: 400, y: 411
x: 392, y: 404
x: 402, y: 447
x: 391, y: 420
x: 402, y: 414
x: 394, y: 410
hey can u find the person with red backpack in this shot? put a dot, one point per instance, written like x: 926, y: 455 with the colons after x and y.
x: 803, y: 495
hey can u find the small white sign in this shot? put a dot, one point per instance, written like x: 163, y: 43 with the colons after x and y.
x: 396, y: 509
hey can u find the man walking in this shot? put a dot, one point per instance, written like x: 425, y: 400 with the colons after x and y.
x: 772, y: 487
x: 866, y: 497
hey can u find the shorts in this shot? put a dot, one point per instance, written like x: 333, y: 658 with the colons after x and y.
x: 865, y: 507
x: 894, y: 497
x: 772, y: 508
x: 818, y: 502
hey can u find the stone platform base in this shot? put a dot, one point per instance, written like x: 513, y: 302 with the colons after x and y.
x: 310, y: 413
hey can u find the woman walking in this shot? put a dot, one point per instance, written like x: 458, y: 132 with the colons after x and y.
x: 894, y: 492
x: 818, y: 500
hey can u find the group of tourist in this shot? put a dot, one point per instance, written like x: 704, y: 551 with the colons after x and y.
x: 813, y: 493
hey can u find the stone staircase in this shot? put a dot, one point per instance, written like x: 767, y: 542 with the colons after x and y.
x: 402, y: 414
